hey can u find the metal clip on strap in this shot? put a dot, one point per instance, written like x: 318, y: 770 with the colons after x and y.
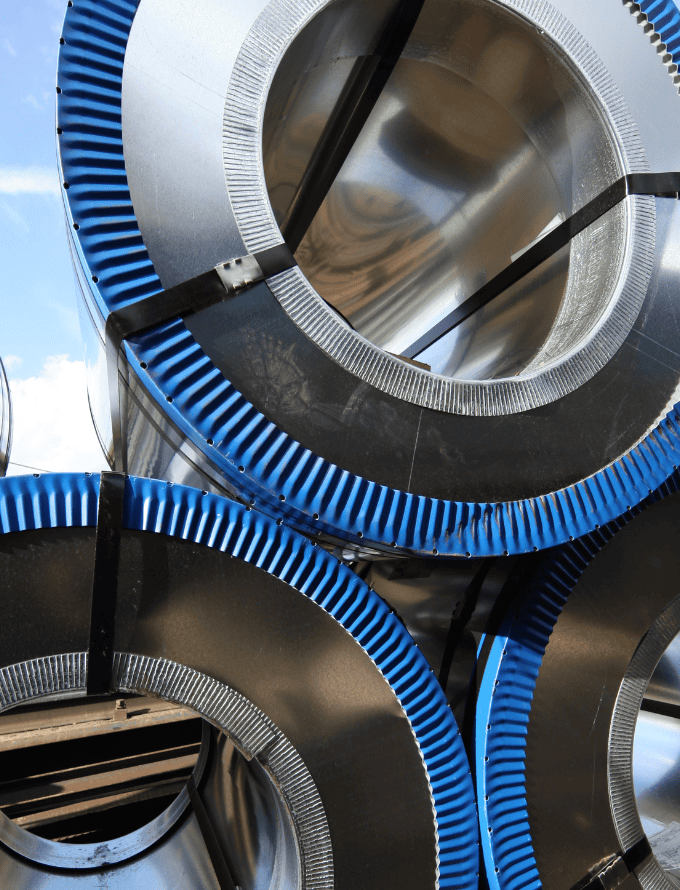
x: 611, y: 873
x: 184, y: 299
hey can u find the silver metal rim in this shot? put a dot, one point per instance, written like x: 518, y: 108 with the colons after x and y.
x: 269, y: 38
x: 251, y: 731
x: 5, y: 421
x: 622, y: 734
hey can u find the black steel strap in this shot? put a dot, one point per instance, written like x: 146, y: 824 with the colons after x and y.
x: 105, y: 583
x: 363, y: 88
x: 664, y: 708
x: 217, y: 860
x: 177, y: 302
x: 608, y: 875
x: 661, y: 185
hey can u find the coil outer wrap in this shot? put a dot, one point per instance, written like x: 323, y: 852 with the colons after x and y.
x: 505, y: 701
x: 66, y: 500
x: 205, y: 406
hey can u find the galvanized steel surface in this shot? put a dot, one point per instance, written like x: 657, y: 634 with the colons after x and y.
x: 556, y: 713
x: 307, y: 643
x: 579, y: 475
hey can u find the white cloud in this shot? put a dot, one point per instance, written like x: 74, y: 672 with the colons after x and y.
x: 11, y: 361
x: 22, y: 180
x: 10, y: 49
x: 34, y: 102
x: 51, y: 425
x: 16, y: 217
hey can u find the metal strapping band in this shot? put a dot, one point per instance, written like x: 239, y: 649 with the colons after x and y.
x: 660, y: 185
x: 460, y: 616
x: 191, y: 296
x: 105, y: 583
x: 212, y: 845
x: 609, y: 874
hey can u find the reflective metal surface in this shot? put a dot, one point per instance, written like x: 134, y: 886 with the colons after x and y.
x: 5, y: 421
x: 330, y: 435
x: 655, y: 773
x: 480, y: 459
x: 190, y: 622
x: 664, y: 685
x: 427, y: 594
x: 605, y: 610
x: 656, y: 752
x: 455, y: 174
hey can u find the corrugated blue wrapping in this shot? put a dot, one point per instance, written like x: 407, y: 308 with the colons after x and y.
x: 665, y: 17
x: 62, y: 500
x: 205, y: 406
x: 504, y: 704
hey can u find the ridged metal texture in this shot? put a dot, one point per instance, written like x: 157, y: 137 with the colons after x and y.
x: 257, y: 458
x: 5, y: 421
x: 221, y: 705
x: 243, y: 163
x: 65, y: 500
x: 505, y: 700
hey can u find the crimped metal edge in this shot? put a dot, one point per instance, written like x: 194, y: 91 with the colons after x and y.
x: 664, y: 18
x: 29, y: 502
x: 256, y: 735
x: 271, y: 34
x: 505, y: 700
x: 206, y: 407
x: 622, y: 735
x: 207, y: 519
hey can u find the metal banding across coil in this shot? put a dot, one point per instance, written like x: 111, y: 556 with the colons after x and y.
x: 269, y: 395
x: 267, y: 637
x: 5, y: 421
x: 577, y: 670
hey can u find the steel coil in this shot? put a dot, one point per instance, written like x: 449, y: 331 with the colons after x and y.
x: 184, y: 131
x: 576, y: 736
x: 339, y: 764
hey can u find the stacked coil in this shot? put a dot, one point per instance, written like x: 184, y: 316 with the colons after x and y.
x: 538, y: 418
x: 396, y: 281
x: 335, y: 739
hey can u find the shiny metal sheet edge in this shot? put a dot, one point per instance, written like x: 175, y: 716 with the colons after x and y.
x: 5, y: 420
x: 347, y: 506
x: 505, y: 699
x: 64, y: 500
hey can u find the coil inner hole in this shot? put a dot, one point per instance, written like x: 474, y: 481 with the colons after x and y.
x: 485, y: 138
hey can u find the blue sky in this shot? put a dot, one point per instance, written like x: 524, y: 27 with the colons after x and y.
x: 39, y: 316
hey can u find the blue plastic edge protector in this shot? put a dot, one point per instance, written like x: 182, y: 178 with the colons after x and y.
x: 505, y: 697
x: 665, y: 17
x: 278, y: 473
x: 70, y: 499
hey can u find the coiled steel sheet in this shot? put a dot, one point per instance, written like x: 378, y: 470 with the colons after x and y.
x: 338, y: 763
x: 184, y: 131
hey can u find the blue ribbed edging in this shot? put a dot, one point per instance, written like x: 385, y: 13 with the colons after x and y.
x: 504, y: 704
x: 255, y: 456
x: 31, y: 502
x: 665, y: 17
